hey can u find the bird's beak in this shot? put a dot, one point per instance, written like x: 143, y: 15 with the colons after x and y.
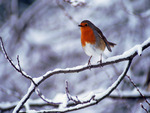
x: 80, y: 25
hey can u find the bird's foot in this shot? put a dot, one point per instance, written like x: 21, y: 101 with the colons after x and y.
x: 89, y: 62
x: 100, y: 62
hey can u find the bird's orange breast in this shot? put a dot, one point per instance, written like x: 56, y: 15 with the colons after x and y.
x: 87, y: 36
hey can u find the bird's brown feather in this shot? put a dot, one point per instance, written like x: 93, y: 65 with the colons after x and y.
x: 103, y: 37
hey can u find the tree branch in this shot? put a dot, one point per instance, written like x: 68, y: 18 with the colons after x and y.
x: 144, y: 108
x: 66, y: 13
x: 5, y: 106
x: 14, y: 66
x: 76, y: 99
x: 44, y: 99
x: 138, y: 90
x: 126, y: 56
x: 98, y: 97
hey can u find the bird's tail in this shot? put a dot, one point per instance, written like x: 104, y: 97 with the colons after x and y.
x: 111, y: 44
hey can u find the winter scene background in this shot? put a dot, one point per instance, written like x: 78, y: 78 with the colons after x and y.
x: 46, y: 36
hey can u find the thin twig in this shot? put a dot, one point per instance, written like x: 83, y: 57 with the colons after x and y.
x: 67, y: 90
x: 76, y: 100
x: 138, y: 90
x: 19, y: 63
x: 39, y: 93
x: 66, y: 13
x: 6, y: 56
x: 98, y: 97
x: 11, y: 62
x: 144, y: 108
x: 124, y: 95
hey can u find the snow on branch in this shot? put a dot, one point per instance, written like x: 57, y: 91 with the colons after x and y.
x: 4, y: 106
x: 97, y: 96
x: 93, y: 98
x: 125, y: 56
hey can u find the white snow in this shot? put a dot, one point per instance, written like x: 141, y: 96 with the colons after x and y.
x: 139, y: 49
x: 136, y: 48
x: 100, y: 95
x: 87, y: 97
x: 76, y: 2
x: 77, y: 67
x: 61, y: 98
x: 38, y: 79
x: 146, y: 42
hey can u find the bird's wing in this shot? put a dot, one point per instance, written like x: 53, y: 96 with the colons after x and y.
x: 103, y: 37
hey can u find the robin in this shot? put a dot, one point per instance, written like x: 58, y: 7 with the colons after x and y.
x: 93, y: 41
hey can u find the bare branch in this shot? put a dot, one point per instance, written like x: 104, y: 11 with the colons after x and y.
x: 19, y: 63
x: 70, y: 98
x: 39, y: 93
x: 76, y: 99
x: 144, y: 108
x: 6, y: 56
x: 67, y: 92
x: 66, y: 13
x: 11, y: 62
x: 138, y: 90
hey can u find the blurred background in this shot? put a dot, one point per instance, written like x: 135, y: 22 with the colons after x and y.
x: 46, y: 36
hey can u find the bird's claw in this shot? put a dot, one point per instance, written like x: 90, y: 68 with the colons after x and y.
x: 100, y: 62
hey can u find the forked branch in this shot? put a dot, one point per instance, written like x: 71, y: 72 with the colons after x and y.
x: 94, y: 98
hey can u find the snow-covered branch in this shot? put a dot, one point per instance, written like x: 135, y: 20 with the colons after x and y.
x: 4, y: 106
x: 97, y: 96
x: 35, y: 82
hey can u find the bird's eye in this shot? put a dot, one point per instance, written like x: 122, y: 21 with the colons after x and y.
x: 85, y: 24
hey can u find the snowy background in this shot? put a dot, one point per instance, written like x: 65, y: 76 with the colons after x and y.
x: 45, y: 35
